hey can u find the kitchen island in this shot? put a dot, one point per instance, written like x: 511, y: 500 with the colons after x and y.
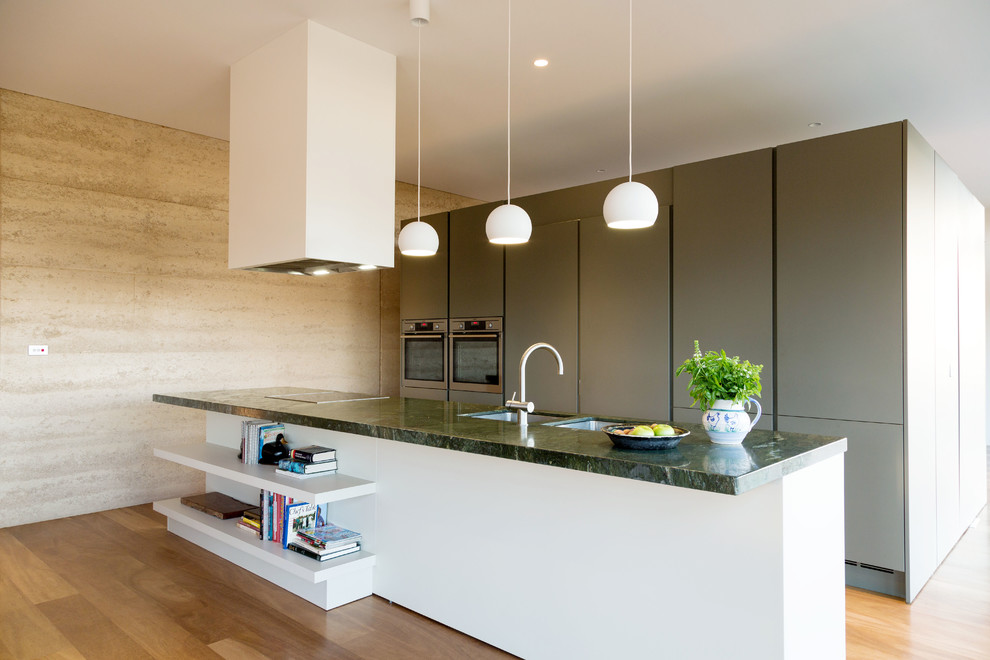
x: 549, y: 542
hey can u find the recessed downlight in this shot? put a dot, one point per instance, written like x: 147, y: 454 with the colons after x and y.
x: 815, y: 124
x: 367, y: 267
x: 541, y: 62
x: 319, y: 271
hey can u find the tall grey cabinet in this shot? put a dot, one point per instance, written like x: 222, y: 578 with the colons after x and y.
x: 423, y: 280
x: 476, y: 266
x: 624, y: 358
x: 867, y: 237
x: 723, y: 268
x: 541, y: 304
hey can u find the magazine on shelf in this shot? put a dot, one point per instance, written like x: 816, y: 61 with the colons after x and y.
x: 329, y: 536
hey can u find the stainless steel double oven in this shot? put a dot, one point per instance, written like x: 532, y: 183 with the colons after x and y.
x: 459, y: 359
x: 423, y: 359
x: 476, y: 357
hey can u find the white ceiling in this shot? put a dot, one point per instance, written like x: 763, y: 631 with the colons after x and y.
x: 711, y: 77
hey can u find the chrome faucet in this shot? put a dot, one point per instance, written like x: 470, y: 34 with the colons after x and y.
x: 522, y: 405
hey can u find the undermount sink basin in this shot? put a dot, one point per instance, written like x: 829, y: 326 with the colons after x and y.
x: 513, y: 416
x: 585, y: 424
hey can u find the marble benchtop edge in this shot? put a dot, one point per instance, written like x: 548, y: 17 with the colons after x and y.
x: 624, y: 464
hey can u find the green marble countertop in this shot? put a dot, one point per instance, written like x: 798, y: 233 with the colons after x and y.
x: 696, y: 462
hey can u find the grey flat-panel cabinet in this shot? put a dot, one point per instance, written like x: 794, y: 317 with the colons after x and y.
x: 723, y: 267
x: 423, y: 280
x: 541, y: 304
x: 476, y: 266
x: 874, y: 487
x: 624, y: 319
x: 840, y: 266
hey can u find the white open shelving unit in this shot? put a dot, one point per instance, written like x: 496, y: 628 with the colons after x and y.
x: 327, y: 584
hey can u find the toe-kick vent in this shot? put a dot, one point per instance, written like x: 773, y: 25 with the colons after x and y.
x: 889, y: 571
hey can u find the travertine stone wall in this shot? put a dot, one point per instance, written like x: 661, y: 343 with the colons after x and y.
x: 113, y: 252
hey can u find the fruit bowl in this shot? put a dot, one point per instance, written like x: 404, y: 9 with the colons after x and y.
x: 624, y: 441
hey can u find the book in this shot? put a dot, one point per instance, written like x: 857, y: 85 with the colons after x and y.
x: 297, y: 475
x: 313, y: 454
x: 329, y: 536
x: 318, y: 557
x: 303, y: 467
x: 300, y: 515
x: 217, y: 505
x: 303, y: 542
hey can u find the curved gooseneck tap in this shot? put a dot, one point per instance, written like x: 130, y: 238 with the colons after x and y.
x: 522, y: 405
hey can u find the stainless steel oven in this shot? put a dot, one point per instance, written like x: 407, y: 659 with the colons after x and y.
x: 476, y: 350
x: 423, y: 356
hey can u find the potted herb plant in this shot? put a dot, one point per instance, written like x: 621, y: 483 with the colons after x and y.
x: 723, y: 387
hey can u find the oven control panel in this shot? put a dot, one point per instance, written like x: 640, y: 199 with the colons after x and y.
x: 476, y: 325
x: 424, y: 326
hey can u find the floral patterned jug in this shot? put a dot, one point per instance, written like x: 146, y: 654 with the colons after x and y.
x: 727, y: 422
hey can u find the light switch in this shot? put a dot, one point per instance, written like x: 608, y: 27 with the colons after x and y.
x: 38, y: 349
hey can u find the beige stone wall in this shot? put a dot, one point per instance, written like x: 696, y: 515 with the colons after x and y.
x: 113, y: 252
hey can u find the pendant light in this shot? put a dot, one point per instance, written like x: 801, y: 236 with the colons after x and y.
x: 508, y: 223
x: 630, y: 205
x: 419, y: 239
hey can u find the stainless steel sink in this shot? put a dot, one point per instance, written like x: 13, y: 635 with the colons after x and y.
x: 585, y: 424
x: 513, y: 416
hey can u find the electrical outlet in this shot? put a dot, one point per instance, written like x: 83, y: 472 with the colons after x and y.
x: 38, y: 349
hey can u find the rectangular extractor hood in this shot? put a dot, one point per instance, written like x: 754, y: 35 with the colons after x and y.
x: 312, y: 155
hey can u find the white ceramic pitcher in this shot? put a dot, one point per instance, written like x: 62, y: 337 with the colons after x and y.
x: 727, y: 423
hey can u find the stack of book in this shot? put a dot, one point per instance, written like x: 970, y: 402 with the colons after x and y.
x: 311, y: 461
x: 326, y: 542
x: 251, y: 521
x: 255, y: 434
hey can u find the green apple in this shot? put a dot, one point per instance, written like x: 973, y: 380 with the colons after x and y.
x: 663, y: 429
x: 642, y: 430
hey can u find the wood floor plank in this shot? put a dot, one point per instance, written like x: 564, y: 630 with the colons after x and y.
x: 90, y: 631
x: 24, y: 629
x: 232, y: 649
x: 33, y: 578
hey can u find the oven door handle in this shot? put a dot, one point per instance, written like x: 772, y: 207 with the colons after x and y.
x: 460, y: 335
x: 423, y: 336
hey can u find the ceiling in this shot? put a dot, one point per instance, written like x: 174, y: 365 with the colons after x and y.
x: 710, y: 77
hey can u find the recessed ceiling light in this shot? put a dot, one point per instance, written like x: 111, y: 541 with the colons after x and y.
x: 814, y: 124
x: 601, y: 170
x: 541, y: 62
x: 367, y: 267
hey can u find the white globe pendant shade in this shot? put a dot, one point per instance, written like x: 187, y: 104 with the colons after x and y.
x: 418, y: 239
x: 508, y: 224
x: 631, y: 205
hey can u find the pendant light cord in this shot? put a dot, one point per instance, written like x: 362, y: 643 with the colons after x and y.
x: 419, y: 116
x: 630, y: 91
x: 508, y: 114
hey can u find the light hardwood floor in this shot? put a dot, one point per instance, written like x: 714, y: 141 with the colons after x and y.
x: 116, y: 584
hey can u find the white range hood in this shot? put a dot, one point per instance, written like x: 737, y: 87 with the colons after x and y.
x: 312, y: 155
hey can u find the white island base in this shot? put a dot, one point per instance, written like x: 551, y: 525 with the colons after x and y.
x: 546, y: 562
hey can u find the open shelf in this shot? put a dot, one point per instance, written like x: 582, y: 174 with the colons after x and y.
x: 228, y: 533
x: 223, y: 462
